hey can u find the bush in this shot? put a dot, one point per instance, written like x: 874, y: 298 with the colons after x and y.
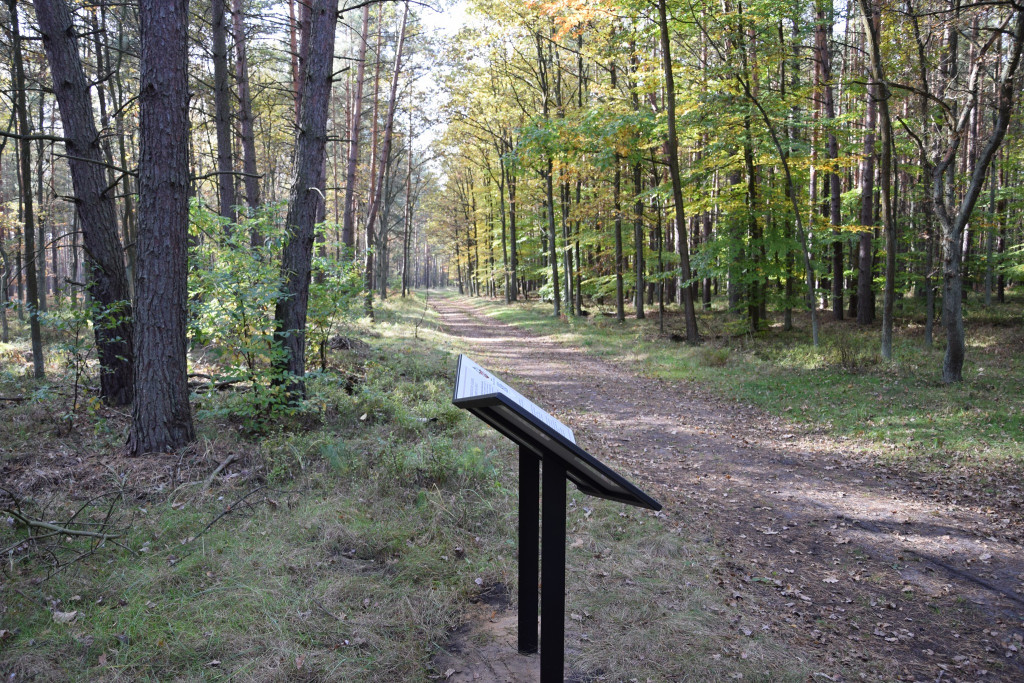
x: 714, y: 357
x: 851, y: 355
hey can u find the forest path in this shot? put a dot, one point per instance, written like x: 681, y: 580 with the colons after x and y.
x: 852, y: 561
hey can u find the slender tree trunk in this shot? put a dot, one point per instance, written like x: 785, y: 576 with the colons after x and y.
x: 865, y: 302
x: 94, y: 204
x: 620, y: 309
x: 383, y: 162
x: 672, y: 152
x: 638, y: 237
x: 222, y: 111
x: 754, y: 232
x: 161, y: 415
x: 990, y: 235
x: 565, y: 197
x: 28, y: 216
x: 822, y: 32
x: 504, y: 228
x: 41, y: 213
x: 879, y: 88
x: 512, y: 233
x: 245, y: 119
x: 407, y: 233
x: 129, y: 230
x: 348, y: 235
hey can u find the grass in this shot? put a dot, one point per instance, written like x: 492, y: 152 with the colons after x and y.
x: 900, y: 411
x: 358, y: 531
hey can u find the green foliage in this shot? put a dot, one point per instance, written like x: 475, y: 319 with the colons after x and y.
x: 75, y: 346
x: 1012, y: 262
x: 233, y: 290
x: 333, y: 295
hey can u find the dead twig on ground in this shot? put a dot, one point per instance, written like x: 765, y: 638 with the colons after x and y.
x: 231, y: 507
x: 45, y: 539
x: 220, y: 468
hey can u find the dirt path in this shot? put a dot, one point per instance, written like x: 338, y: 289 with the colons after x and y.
x: 854, y: 562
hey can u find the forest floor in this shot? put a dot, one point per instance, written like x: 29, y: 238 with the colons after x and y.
x: 871, y: 566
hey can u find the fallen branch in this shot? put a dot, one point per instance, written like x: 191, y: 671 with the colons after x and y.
x: 231, y: 507
x: 57, y: 529
x: 219, y: 386
x: 13, y: 399
x: 220, y: 468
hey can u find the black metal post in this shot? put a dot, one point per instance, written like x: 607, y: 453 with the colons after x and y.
x: 529, y: 518
x: 552, y: 573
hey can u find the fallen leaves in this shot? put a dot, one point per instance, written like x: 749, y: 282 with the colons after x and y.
x: 65, y: 617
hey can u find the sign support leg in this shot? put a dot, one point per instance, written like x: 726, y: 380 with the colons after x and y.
x: 552, y: 593
x: 529, y: 519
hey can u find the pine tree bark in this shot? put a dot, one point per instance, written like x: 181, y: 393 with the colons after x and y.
x: 161, y: 415
x: 307, y: 194
x: 94, y: 204
x: 383, y: 163
x: 348, y: 235
x: 28, y: 215
x: 222, y: 111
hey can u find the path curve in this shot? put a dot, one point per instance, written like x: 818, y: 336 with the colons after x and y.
x: 859, y: 564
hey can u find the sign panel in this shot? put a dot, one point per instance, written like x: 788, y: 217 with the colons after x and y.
x: 473, y: 382
x: 522, y: 421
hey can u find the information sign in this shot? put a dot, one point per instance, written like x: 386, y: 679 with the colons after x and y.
x: 508, y: 411
x: 548, y: 445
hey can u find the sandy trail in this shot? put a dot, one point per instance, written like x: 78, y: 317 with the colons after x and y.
x: 855, y: 562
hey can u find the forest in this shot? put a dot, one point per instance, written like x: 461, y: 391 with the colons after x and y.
x: 829, y: 160
x: 776, y: 244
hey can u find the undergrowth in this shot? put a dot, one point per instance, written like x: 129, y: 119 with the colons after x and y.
x: 342, y: 542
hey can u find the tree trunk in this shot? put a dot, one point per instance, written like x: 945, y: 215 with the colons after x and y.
x: 28, y: 216
x: 41, y: 214
x: 512, y: 234
x: 865, y: 301
x: 672, y: 152
x: 822, y: 32
x: 953, y: 224
x: 222, y: 111
x: 620, y: 310
x: 880, y: 88
x: 307, y: 194
x: 348, y: 235
x: 383, y: 162
x: 638, y: 237
x: 245, y: 120
x: 161, y: 416
x: 94, y: 204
